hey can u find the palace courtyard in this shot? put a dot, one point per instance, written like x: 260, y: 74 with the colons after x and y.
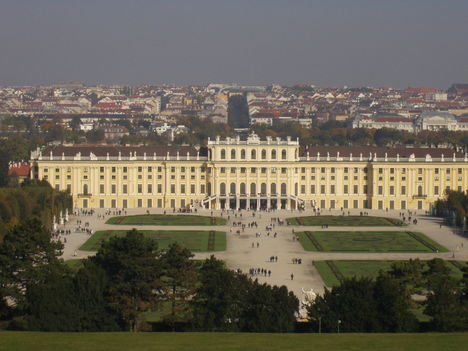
x: 252, y: 247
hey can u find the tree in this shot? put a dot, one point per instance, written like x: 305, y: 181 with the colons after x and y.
x: 27, y: 254
x: 268, y: 309
x: 351, y: 304
x: 132, y: 266
x: 52, y: 304
x: 95, y: 136
x: 179, y: 282
x: 393, y: 305
x: 75, y: 123
x: 446, y: 305
x: 218, y: 298
x: 90, y: 286
x: 227, y: 301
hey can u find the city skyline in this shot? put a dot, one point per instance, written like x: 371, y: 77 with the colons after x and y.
x: 337, y: 43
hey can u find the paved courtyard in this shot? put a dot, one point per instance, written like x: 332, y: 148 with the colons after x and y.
x: 242, y: 252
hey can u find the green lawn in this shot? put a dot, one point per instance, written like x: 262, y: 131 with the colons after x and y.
x: 74, y: 264
x: 191, y: 239
x: 159, y: 219
x: 346, y: 221
x: 22, y: 341
x: 332, y: 271
x: 331, y: 241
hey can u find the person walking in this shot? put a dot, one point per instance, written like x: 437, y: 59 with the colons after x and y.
x: 292, y: 276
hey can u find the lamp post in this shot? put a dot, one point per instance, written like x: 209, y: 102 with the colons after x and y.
x: 339, y: 322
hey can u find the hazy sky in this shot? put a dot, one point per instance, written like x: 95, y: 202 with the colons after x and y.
x: 396, y: 43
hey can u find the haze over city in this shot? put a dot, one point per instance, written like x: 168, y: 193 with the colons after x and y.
x: 355, y: 43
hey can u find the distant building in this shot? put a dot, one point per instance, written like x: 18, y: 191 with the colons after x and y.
x: 251, y: 174
x: 384, y: 121
x: 436, y: 121
x: 20, y: 169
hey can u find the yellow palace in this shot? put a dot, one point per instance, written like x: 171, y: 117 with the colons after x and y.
x: 251, y: 174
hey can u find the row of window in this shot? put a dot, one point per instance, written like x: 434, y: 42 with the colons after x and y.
x: 253, y: 154
x: 139, y: 169
x: 333, y: 204
x: 114, y: 203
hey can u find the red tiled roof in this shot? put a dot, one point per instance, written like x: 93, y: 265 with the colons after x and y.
x: 20, y: 169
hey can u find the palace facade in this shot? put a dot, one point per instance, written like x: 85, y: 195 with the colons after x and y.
x: 251, y: 174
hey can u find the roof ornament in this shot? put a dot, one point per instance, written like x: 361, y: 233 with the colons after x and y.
x: 428, y: 158
x: 351, y: 156
x: 167, y: 157
x: 328, y: 156
x: 63, y: 156
x: 120, y: 156
x: 412, y: 158
x: 386, y: 157
x: 188, y: 155
x: 465, y: 158
x: 442, y: 158
x: 144, y: 156
x: 398, y: 157
x: 454, y: 158
x: 308, y: 155
x: 360, y: 156
x: 154, y: 156
x: 253, y: 138
x: 107, y: 157
x: 51, y: 155
x: 318, y: 156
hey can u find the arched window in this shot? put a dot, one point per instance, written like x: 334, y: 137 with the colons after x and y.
x: 242, y: 154
x: 233, y: 154
x: 283, y: 155
x: 273, y: 189
x: 273, y: 154
x: 263, y: 188
x: 85, y: 189
x: 420, y: 190
x: 242, y: 188
x: 253, y: 154
x: 263, y: 154
x: 222, y: 188
x: 283, y: 188
x: 253, y: 189
x: 233, y: 188
x: 223, y: 154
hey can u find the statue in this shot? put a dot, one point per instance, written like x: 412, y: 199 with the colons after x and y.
x: 308, y: 299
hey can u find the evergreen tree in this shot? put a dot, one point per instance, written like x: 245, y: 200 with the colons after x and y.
x: 132, y: 266
x: 217, y: 301
x: 179, y: 282
x: 446, y: 305
x: 27, y: 254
